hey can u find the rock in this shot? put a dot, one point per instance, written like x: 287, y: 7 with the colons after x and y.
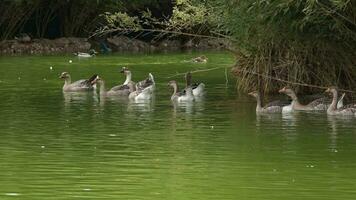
x: 23, y: 38
x: 122, y: 43
x: 45, y: 46
x: 169, y: 45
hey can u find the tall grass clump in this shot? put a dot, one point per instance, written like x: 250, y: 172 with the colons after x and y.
x: 304, y: 41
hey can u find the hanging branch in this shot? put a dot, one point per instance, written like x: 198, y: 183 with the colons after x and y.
x: 196, y: 71
x: 288, y: 82
x: 126, y: 30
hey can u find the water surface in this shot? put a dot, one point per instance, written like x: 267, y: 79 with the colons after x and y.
x: 78, y: 146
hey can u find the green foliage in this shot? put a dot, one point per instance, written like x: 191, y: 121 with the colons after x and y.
x: 122, y: 20
x: 188, y: 16
x: 308, y: 41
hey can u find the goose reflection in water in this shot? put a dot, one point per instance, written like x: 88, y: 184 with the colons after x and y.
x: 78, y: 97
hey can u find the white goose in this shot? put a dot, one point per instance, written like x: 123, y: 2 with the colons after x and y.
x: 137, y: 93
x: 77, y: 86
x: 185, y: 96
x: 198, y: 88
x: 149, y: 82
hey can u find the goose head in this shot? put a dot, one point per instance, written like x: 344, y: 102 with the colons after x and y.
x: 254, y: 94
x: 64, y: 75
x: 286, y: 90
x: 125, y: 71
x: 96, y: 80
x: 172, y: 83
x: 331, y: 90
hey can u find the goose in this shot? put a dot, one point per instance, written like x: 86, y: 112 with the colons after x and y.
x: 124, y: 90
x: 149, y: 82
x: 334, y: 110
x: 198, y: 88
x: 137, y: 93
x: 317, y: 104
x: 186, y: 96
x: 91, y: 53
x: 77, y: 86
x: 119, y: 88
x: 200, y: 59
x: 272, y: 107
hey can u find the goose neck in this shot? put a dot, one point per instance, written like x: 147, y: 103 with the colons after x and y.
x: 332, y: 106
x: 175, y: 88
x: 259, y: 103
x: 128, y: 78
x: 102, y: 88
x: 67, y: 80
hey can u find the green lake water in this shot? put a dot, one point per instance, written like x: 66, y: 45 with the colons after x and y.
x: 78, y: 146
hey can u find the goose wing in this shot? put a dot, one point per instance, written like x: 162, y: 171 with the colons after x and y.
x: 81, y: 83
x: 273, y: 109
x: 149, y: 81
x: 349, y: 106
x: 318, y: 102
x: 145, y: 83
x: 120, y: 87
x: 277, y: 103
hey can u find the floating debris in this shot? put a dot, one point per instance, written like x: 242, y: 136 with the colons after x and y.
x: 12, y: 194
x: 112, y: 135
x: 70, y: 61
x: 50, y: 68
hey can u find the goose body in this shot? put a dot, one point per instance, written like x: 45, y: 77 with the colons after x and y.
x: 272, y: 107
x: 197, y: 88
x: 185, y: 96
x: 123, y: 91
x: 77, y: 86
x: 91, y: 53
x: 333, y: 110
x: 147, y: 83
x: 200, y: 59
x: 140, y: 94
x: 317, y: 104
x: 83, y: 55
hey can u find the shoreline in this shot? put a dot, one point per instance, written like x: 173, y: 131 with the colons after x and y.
x: 117, y: 44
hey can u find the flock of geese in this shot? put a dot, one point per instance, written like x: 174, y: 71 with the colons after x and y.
x: 142, y: 90
x: 333, y: 106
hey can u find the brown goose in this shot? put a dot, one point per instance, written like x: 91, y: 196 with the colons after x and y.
x: 272, y: 107
x: 333, y: 110
x: 128, y: 80
x: 77, y: 86
x: 317, y: 104
x: 123, y: 90
x: 184, y: 96
x: 198, y: 88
